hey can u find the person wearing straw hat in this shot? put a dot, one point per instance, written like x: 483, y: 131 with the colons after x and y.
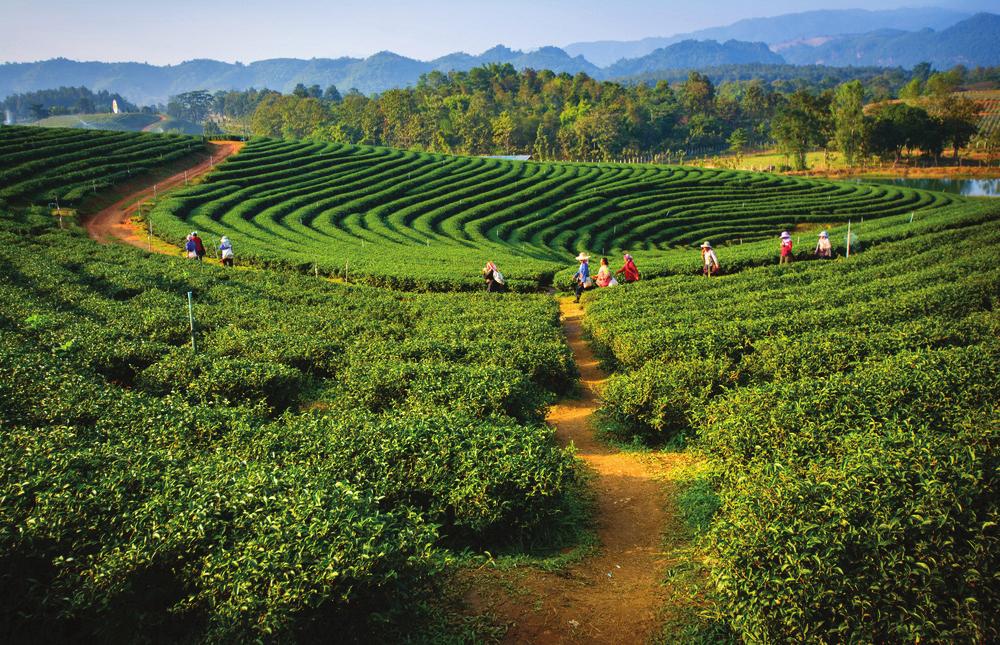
x: 495, y: 281
x: 824, y: 250
x: 786, y: 248
x: 582, y: 276
x: 709, y: 260
x: 629, y: 272
x: 226, y: 250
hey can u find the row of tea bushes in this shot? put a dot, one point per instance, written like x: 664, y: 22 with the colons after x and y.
x: 281, y: 483
x: 848, y: 413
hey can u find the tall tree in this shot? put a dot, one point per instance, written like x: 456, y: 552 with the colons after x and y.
x: 958, y: 116
x: 848, y: 113
x: 798, y: 127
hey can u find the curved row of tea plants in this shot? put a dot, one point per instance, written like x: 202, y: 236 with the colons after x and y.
x: 428, y: 221
x: 849, y: 411
x: 39, y: 165
x: 309, y: 468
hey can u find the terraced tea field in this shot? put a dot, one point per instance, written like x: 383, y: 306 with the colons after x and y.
x: 428, y: 221
x: 191, y: 452
x: 40, y: 165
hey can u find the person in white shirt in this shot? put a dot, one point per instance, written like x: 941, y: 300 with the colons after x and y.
x: 710, y: 261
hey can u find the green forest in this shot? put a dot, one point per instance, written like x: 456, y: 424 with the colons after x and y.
x: 496, y: 110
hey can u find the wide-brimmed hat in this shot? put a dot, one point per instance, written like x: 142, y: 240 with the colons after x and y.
x: 786, y: 235
x: 824, y: 234
x: 583, y: 257
x: 706, y: 245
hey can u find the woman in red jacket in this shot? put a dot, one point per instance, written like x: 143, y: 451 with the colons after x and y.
x: 629, y: 272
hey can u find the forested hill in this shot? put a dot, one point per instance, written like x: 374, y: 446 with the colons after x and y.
x: 693, y: 54
x: 148, y: 84
x: 778, y: 30
x: 972, y: 42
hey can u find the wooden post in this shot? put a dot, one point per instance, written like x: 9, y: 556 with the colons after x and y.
x: 848, y: 239
x: 191, y: 321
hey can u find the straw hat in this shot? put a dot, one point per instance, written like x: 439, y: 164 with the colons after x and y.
x: 583, y: 257
x: 786, y: 235
x: 706, y: 245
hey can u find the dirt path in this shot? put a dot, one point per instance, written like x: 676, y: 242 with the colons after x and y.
x: 149, y: 128
x: 615, y: 595
x: 114, y: 221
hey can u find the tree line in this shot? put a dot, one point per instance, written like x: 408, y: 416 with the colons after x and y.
x: 498, y: 110
x: 63, y: 100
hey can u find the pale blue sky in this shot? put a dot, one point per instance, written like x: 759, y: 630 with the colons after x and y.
x: 248, y: 30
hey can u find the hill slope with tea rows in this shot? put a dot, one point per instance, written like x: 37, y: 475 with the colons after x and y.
x: 310, y: 461
x: 43, y: 165
x: 849, y: 413
x: 428, y: 221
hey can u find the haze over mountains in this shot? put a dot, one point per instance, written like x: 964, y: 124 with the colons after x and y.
x: 942, y: 37
x: 779, y: 30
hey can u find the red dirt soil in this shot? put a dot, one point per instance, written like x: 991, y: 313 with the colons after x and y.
x: 615, y: 595
x: 114, y: 221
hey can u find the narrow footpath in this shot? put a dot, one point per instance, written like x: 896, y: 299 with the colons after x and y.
x: 615, y: 595
x: 115, y: 221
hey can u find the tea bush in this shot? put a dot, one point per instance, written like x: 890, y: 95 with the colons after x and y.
x: 848, y: 414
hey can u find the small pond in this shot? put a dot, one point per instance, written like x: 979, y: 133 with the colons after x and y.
x: 966, y: 187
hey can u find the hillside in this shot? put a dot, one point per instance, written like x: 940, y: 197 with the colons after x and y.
x: 193, y: 452
x: 150, y: 84
x: 130, y: 122
x: 971, y: 42
x: 799, y: 39
x: 778, y: 29
x: 691, y: 54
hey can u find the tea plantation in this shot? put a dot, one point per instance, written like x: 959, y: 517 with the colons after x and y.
x: 429, y: 222
x: 313, y: 456
x: 849, y: 411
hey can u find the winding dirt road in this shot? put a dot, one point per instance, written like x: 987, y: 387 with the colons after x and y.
x: 114, y: 221
x: 617, y: 594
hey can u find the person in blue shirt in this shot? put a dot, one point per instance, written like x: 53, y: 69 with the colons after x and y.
x: 190, y: 248
x: 582, y: 276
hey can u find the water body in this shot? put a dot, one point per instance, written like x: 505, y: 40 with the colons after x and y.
x: 965, y: 187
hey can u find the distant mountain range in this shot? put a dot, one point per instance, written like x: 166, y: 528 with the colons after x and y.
x: 146, y: 84
x: 972, y: 42
x: 777, y: 30
x: 942, y: 37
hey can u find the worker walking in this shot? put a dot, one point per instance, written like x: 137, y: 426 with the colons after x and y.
x: 582, y: 278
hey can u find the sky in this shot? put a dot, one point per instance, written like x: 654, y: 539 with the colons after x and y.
x: 248, y: 30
